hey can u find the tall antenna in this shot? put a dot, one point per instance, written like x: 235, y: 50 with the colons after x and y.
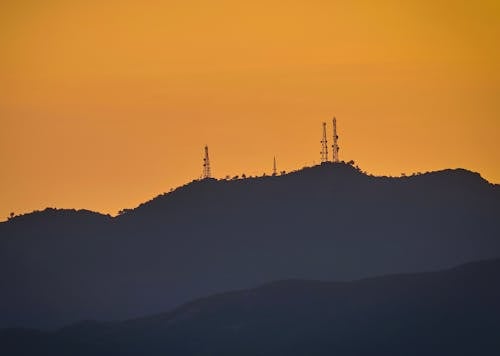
x: 335, y: 146
x: 274, y: 166
x: 206, y: 165
x: 324, y: 146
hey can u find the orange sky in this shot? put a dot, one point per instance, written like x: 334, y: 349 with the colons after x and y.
x: 104, y: 104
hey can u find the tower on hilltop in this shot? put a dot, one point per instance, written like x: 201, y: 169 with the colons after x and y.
x: 206, y: 165
x: 324, y: 145
x: 335, y: 146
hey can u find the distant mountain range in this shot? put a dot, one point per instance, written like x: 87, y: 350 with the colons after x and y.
x: 328, y: 222
x: 453, y: 312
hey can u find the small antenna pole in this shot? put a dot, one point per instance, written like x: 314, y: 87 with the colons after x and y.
x: 274, y: 166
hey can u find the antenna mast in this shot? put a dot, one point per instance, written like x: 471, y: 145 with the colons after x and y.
x: 274, y: 166
x: 335, y: 146
x: 206, y: 165
x: 324, y: 146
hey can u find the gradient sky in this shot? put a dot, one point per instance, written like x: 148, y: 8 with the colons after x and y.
x: 105, y: 104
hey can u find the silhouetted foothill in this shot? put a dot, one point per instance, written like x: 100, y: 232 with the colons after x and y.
x: 328, y: 222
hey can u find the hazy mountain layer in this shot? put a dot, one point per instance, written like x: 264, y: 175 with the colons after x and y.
x: 453, y: 312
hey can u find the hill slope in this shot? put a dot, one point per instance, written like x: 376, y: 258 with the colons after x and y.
x: 453, y: 312
x: 329, y: 222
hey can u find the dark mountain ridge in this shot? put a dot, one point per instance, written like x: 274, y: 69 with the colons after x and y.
x: 450, y: 312
x: 329, y: 222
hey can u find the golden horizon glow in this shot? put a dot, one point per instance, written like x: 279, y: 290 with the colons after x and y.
x: 104, y: 105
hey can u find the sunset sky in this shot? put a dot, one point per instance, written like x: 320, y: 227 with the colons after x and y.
x: 105, y: 104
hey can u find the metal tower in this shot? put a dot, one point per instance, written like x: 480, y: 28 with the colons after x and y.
x: 206, y: 165
x: 274, y: 166
x: 335, y: 146
x: 324, y: 146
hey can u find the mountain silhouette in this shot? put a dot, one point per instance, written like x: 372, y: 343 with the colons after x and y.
x: 328, y: 222
x: 451, y: 312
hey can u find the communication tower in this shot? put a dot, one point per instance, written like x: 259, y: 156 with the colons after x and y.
x: 206, y: 165
x: 335, y: 146
x: 324, y: 146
